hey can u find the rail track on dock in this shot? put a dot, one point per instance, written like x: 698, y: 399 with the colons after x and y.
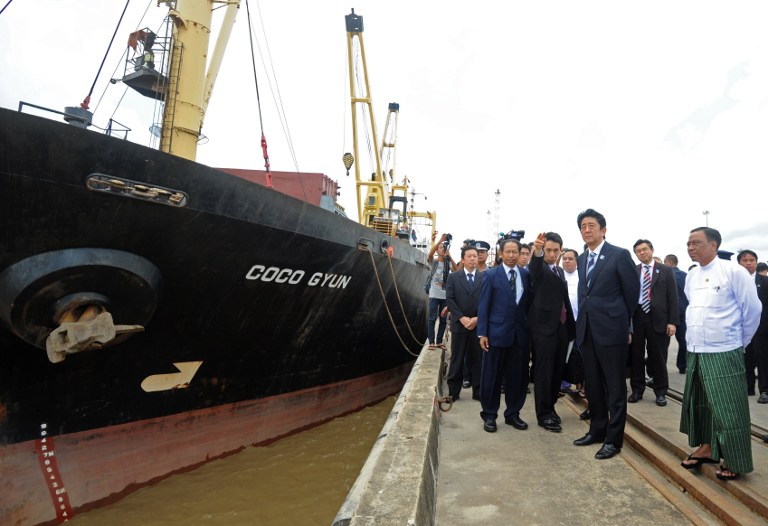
x: 654, y: 447
x: 757, y: 431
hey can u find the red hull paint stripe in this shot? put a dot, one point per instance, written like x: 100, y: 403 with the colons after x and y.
x: 46, y: 455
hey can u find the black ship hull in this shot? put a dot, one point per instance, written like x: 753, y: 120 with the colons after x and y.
x: 259, y: 296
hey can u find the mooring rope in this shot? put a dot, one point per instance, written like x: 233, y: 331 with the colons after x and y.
x: 384, y: 300
x: 400, y: 301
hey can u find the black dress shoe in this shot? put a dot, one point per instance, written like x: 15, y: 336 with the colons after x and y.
x: 516, y: 422
x: 607, y: 451
x: 587, y: 440
x: 763, y: 398
x: 556, y: 418
x: 465, y: 384
x: 661, y: 401
x: 635, y: 397
x: 649, y: 382
x: 551, y: 425
x: 489, y: 425
x: 585, y: 415
x: 682, y: 371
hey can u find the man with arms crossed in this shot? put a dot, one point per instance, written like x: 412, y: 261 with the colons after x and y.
x: 723, y: 315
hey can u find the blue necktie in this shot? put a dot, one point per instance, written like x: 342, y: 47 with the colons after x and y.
x: 590, y: 265
x: 471, y: 279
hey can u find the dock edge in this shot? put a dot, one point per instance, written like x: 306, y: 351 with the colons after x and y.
x: 398, y: 482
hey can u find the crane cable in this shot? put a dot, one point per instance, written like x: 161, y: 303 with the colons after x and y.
x: 87, y: 99
x: 258, y: 99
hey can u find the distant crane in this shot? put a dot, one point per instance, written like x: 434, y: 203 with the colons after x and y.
x: 496, y: 208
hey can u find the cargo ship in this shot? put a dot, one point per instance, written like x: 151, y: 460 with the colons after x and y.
x: 156, y: 313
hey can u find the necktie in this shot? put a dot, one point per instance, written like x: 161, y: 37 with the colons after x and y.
x: 591, y: 262
x: 645, y: 290
x: 470, y: 278
x: 513, y: 283
x: 562, y: 306
x: 590, y: 265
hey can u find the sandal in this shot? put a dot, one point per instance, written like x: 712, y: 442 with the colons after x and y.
x: 441, y: 346
x: 720, y: 474
x: 698, y: 461
x: 432, y: 347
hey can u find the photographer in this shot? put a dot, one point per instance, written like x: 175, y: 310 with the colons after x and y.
x: 436, y: 287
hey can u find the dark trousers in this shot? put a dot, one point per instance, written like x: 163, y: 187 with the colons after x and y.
x: 550, y: 363
x: 435, y: 307
x: 606, y: 387
x: 756, y: 355
x: 645, y: 339
x: 682, y: 347
x: 510, y: 366
x: 464, y: 344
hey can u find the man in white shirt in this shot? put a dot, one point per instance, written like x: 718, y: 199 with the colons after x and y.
x: 722, y: 317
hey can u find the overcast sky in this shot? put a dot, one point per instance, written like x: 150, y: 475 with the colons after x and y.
x: 650, y: 112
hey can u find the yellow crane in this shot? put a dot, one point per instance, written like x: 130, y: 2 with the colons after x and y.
x: 380, y: 206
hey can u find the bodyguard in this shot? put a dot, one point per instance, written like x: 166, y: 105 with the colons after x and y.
x: 463, y: 295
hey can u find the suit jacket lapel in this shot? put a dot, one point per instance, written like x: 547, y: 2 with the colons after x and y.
x: 654, y: 274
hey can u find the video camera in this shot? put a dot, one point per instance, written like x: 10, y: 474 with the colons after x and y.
x: 513, y: 234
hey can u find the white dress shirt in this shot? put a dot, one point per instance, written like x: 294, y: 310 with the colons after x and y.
x: 723, y: 311
x: 572, y: 279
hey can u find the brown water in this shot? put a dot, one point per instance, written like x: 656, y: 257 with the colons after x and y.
x: 299, y: 480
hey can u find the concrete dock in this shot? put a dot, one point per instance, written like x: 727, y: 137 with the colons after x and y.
x: 433, y: 467
x: 537, y: 477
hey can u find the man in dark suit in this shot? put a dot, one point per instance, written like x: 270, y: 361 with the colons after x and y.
x: 550, y: 320
x: 463, y: 294
x: 608, y: 292
x: 655, y: 321
x: 682, y: 304
x: 756, y: 353
x: 503, y: 338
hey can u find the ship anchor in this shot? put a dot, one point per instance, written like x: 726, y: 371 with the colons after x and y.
x: 67, y: 301
x: 83, y: 328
